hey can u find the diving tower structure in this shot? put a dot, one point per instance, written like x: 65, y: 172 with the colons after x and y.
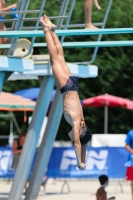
x: 18, y: 69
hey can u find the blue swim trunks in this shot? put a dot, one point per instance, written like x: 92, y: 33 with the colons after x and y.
x: 71, y: 85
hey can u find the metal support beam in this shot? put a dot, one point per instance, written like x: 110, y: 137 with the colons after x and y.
x: 46, y: 147
x: 19, y: 12
x: 3, y: 77
x: 34, y: 129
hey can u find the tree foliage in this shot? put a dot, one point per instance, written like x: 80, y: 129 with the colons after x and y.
x: 115, y: 66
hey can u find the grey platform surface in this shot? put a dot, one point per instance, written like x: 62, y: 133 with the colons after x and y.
x: 80, y: 189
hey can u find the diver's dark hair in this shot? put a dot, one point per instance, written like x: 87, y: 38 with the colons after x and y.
x: 85, y: 135
x: 103, y: 179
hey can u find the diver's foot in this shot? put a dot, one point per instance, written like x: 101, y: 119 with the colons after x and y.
x: 49, y: 23
x: 44, y: 25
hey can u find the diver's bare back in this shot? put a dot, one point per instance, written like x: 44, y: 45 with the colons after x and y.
x: 71, y: 107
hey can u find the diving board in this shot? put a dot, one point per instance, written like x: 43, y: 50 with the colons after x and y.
x: 77, y: 32
x: 43, y: 69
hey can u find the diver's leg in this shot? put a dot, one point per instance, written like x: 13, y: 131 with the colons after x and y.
x: 60, y: 51
x: 58, y: 71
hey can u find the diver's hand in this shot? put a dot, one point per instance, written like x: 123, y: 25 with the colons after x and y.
x: 81, y: 166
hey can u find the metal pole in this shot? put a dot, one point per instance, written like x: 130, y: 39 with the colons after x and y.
x: 34, y: 129
x: 3, y: 77
x: 64, y: 11
x: 16, y: 26
x: 36, y: 26
x: 61, y: 14
x: 105, y: 119
x: 45, y: 148
x: 11, y: 138
x: 15, y: 122
x: 68, y: 20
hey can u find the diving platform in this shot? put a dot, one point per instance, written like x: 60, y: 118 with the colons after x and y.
x: 45, y: 69
x: 11, y: 64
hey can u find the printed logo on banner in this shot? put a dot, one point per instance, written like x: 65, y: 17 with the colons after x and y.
x: 96, y: 160
x: 68, y: 158
x: 4, y: 161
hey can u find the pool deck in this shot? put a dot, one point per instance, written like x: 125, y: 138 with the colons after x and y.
x: 79, y: 189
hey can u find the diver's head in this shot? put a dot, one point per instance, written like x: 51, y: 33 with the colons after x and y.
x: 85, y: 135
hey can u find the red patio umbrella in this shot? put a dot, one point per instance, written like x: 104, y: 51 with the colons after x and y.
x: 107, y: 100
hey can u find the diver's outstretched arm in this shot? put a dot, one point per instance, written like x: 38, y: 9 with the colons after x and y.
x: 78, y: 147
x: 83, y: 153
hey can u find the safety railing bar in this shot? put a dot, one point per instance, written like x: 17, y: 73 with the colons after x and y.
x: 26, y: 28
x: 34, y: 19
x: 82, y: 44
x: 24, y: 7
x: 62, y: 26
x: 70, y: 26
x: 14, y: 22
x: 8, y: 20
x: 24, y: 14
x: 81, y: 25
x: 59, y: 17
x: 16, y: 25
x: 19, y: 12
x: 36, y: 26
x: 7, y: 137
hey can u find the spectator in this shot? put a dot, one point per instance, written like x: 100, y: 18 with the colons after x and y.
x: 17, y: 149
x: 3, y: 8
x: 101, y: 193
x: 44, y: 182
x: 129, y: 148
x: 88, y: 12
